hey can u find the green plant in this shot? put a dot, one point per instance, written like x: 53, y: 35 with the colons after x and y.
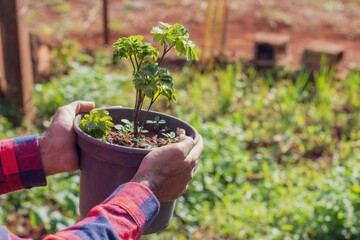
x: 115, y: 26
x: 63, y: 8
x: 97, y: 124
x: 128, y: 127
x: 53, y: 2
x: 354, y: 89
x: 271, y: 173
x: 150, y: 80
x: 171, y: 136
x: 156, y: 124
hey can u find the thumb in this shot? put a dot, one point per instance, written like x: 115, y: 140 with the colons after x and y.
x: 81, y: 106
x: 185, y: 143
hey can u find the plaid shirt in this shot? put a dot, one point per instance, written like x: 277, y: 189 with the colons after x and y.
x: 124, y: 215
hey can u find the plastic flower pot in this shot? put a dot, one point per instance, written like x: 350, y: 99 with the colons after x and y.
x: 104, y: 166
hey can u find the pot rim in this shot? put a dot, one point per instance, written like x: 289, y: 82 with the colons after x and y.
x: 78, y: 131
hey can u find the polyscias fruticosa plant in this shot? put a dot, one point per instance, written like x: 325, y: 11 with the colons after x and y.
x: 150, y: 80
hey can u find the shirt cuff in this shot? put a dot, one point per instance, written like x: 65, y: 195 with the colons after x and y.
x: 138, y: 201
x: 21, y: 165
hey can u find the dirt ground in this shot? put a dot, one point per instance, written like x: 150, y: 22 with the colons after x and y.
x: 303, y: 20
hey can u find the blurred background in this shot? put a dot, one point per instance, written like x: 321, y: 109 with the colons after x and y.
x: 275, y: 95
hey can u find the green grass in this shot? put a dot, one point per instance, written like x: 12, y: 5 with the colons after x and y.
x: 63, y: 8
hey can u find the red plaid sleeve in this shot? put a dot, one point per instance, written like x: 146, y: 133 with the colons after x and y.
x: 20, y: 164
x: 124, y: 215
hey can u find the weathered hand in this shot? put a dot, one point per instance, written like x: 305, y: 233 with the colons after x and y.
x: 168, y: 170
x: 58, y: 145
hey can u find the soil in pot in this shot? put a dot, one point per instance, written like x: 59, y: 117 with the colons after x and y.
x: 150, y: 140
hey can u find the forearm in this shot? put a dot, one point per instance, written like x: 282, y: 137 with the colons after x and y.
x: 20, y: 164
x: 124, y: 215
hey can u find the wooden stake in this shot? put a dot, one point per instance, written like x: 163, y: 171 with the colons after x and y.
x: 223, y: 24
x: 215, y: 33
x: 17, y: 57
x: 207, y: 36
x: 105, y: 21
x: 2, y: 72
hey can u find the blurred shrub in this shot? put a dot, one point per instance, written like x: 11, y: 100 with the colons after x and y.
x: 82, y: 83
x: 281, y: 157
x: 6, y: 128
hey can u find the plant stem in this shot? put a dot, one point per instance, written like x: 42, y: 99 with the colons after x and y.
x: 141, y: 62
x: 132, y: 62
x: 136, y: 112
x: 136, y: 103
x: 166, y: 50
x: 137, y: 64
x: 153, y: 100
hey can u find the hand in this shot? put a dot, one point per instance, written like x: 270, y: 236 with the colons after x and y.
x: 168, y: 170
x: 58, y: 145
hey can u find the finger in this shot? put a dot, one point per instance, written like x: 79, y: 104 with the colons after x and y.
x: 81, y: 106
x: 196, y: 151
x: 185, y: 144
x: 181, y: 133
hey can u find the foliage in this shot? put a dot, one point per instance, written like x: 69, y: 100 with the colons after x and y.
x: 175, y: 36
x: 150, y: 81
x: 63, y: 8
x: 128, y: 127
x: 171, y: 136
x: 6, y: 128
x: 265, y: 172
x: 156, y: 124
x: 97, y: 124
x: 275, y: 165
x: 83, y: 82
x: 54, y: 207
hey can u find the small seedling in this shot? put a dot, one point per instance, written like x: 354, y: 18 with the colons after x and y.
x: 125, y: 128
x: 128, y: 127
x: 171, y: 136
x: 139, y: 142
x: 97, y: 124
x: 157, y: 122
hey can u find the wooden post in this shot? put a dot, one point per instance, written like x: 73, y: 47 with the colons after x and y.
x: 223, y: 25
x: 219, y: 34
x: 2, y: 72
x: 207, y: 44
x: 17, y: 57
x: 215, y: 33
x: 105, y: 22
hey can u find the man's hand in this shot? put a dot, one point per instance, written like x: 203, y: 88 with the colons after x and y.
x: 58, y: 145
x: 168, y: 170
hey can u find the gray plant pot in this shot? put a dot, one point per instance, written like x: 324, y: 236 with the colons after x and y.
x: 104, y: 166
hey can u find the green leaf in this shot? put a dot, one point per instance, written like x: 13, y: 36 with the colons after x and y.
x: 149, y: 69
x: 175, y: 35
x: 133, y: 47
x: 124, y: 120
x: 97, y: 124
x: 149, y: 92
x: 40, y: 216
